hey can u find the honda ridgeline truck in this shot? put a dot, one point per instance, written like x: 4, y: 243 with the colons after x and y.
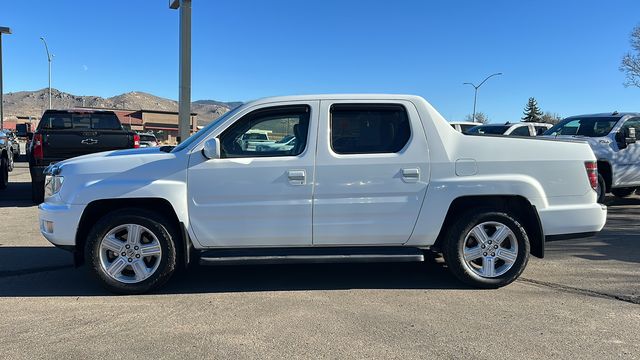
x: 370, y: 178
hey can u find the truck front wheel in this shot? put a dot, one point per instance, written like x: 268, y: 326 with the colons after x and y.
x: 131, y: 251
x: 37, y: 191
x: 486, y: 249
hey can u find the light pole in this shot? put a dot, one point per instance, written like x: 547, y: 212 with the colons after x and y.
x: 49, y: 58
x: 184, y: 94
x: 475, y: 95
x: 3, y: 30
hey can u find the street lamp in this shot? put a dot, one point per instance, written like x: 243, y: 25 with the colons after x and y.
x: 184, y: 94
x: 475, y: 95
x: 3, y: 30
x: 49, y: 58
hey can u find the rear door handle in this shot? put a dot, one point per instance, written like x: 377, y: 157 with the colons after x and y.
x: 297, y: 177
x: 411, y: 175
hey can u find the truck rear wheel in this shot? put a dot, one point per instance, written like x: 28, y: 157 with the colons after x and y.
x: 623, y: 192
x: 131, y: 251
x: 486, y: 249
x: 601, y: 190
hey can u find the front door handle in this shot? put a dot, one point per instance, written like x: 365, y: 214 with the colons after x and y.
x: 411, y: 175
x: 297, y: 177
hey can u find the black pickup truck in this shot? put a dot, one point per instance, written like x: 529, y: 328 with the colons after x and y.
x: 63, y: 134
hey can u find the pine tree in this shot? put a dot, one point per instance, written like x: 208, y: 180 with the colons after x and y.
x: 532, y: 112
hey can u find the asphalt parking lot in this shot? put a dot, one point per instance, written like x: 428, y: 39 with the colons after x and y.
x: 581, y: 301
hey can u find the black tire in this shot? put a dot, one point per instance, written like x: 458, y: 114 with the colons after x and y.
x: 623, y: 192
x: 4, y: 173
x: 455, y: 240
x: 37, y: 191
x: 601, y: 190
x: 158, y: 225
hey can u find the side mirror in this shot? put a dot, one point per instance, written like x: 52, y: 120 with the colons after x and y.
x: 631, y: 136
x: 211, y: 149
x: 624, y: 137
x: 30, y: 135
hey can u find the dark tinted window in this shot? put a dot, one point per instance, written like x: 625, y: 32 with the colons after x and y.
x: 540, y: 130
x: 259, y: 134
x: 466, y: 128
x: 369, y: 128
x: 65, y: 120
x: 588, y: 126
x: 521, y: 131
x: 144, y: 137
x: 488, y: 129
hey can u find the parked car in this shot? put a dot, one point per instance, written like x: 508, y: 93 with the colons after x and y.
x: 254, y: 137
x: 371, y: 178
x: 6, y: 160
x: 511, y: 129
x: 285, y: 144
x: 613, y: 138
x: 14, y: 145
x: 63, y: 134
x: 463, y: 126
x: 148, y: 140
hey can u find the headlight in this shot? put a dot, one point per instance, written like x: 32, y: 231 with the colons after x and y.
x: 52, y: 184
x: 53, y: 180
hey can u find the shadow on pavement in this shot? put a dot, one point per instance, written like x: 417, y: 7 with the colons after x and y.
x: 61, y: 279
x: 17, y: 194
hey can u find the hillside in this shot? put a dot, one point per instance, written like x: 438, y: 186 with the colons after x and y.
x: 33, y: 103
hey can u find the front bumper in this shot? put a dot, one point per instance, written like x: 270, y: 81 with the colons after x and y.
x: 573, y: 219
x: 59, y: 222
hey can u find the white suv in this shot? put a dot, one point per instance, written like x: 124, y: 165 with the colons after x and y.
x: 510, y: 129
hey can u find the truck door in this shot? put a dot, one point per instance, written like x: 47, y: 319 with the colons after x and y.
x: 257, y: 196
x: 372, y: 170
x: 627, y: 160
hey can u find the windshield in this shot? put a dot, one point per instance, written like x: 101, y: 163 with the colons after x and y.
x: 488, y: 129
x: 588, y: 126
x: 193, y: 138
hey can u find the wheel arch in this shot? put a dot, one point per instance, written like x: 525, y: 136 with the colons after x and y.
x: 517, y: 205
x: 99, y: 208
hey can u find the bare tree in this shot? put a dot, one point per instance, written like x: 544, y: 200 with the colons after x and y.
x: 551, y: 118
x: 480, y: 118
x: 630, y: 65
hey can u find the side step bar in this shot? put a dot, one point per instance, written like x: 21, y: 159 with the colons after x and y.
x: 310, y: 255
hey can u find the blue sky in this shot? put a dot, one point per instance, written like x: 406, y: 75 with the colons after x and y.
x: 564, y: 53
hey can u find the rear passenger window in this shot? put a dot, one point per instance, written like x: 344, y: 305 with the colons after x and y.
x: 369, y: 128
x: 521, y: 131
x: 70, y: 120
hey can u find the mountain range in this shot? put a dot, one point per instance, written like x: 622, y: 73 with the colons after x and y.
x: 33, y: 103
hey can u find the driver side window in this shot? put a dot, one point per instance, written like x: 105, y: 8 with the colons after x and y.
x: 632, y: 123
x: 277, y: 131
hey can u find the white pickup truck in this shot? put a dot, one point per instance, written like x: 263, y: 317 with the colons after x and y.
x: 613, y: 137
x: 370, y: 178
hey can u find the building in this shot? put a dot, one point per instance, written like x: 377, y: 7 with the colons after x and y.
x: 163, y: 124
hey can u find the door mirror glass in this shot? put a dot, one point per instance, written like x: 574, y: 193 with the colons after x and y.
x: 631, y: 136
x: 211, y: 149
